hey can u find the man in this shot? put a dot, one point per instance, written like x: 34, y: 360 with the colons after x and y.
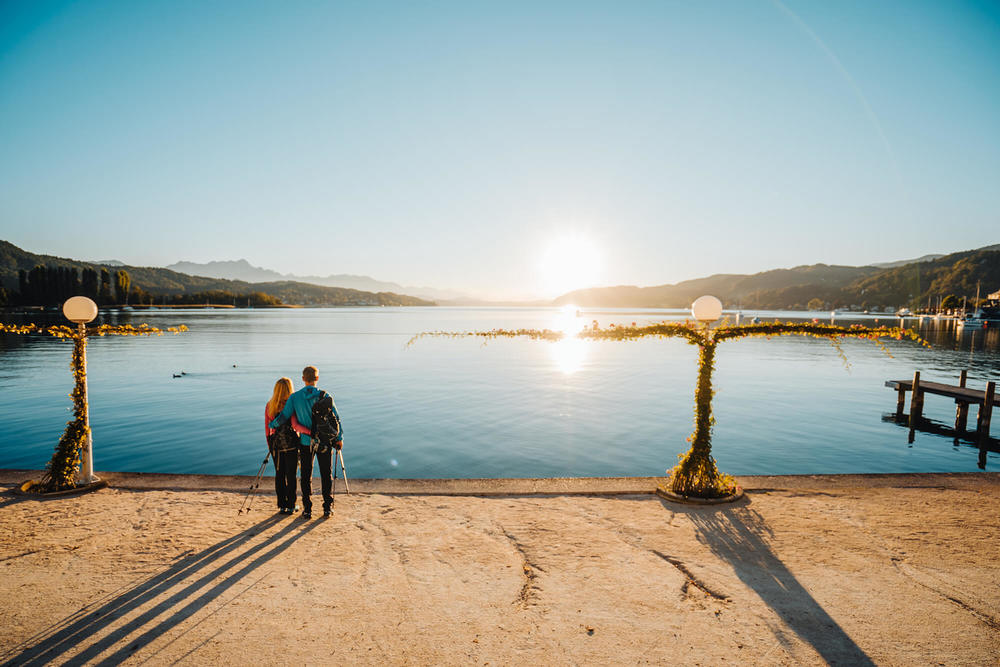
x: 301, y: 404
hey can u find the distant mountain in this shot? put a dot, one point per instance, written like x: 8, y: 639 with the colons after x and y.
x: 241, y: 269
x: 165, y: 281
x: 904, y: 262
x: 775, y: 288
x: 913, y: 284
x: 925, y: 258
x: 229, y: 270
x: 910, y: 284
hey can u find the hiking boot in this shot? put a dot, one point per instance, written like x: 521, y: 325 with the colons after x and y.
x: 326, y: 514
x: 307, y: 515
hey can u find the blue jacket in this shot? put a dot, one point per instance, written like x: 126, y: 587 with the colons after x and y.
x: 301, y: 404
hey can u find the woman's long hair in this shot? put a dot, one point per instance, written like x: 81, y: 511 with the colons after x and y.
x: 282, y: 390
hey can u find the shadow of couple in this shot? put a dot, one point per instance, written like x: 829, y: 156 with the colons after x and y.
x: 160, y: 602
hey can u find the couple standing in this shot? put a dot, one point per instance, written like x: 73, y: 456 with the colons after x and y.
x: 308, y: 421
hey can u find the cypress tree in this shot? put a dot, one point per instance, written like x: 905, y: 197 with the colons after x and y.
x: 104, y: 296
x: 122, y: 282
x: 22, y: 285
x: 88, y: 283
x: 36, y: 286
x: 62, y: 285
x: 74, y: 282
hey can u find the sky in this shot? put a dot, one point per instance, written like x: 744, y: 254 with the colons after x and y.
x: 508, y: 149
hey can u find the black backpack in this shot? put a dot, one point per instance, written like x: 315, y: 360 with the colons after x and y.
x: 325, y: 425
x: 284, y: 439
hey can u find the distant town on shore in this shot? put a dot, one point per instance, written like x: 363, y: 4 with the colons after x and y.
x: 932, y: 282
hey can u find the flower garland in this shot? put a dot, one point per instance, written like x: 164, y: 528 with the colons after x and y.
x: 64, y: 466
x: 696, y: 473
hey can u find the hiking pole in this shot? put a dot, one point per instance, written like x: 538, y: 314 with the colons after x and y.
x: 333, y: 491
x: 253, y: 487
x: 340, y: 457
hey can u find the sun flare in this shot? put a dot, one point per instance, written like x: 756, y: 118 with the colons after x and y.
x: 569, y: 355
x: 569, y: 263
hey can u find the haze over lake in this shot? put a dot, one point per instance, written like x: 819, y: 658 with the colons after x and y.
x: 512, y: 408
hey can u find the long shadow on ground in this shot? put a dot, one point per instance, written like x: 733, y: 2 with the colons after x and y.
x: 188, y: 585
x: 739, y: 536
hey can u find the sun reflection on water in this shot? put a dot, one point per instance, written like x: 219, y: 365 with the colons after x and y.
x: 570, y: 353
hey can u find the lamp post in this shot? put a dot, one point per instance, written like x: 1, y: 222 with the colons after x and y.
x: 697, y: 467
x: 81, y: 310
x: 696, y: 474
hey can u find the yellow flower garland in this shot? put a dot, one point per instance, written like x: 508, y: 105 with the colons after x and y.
x: 696, y: 473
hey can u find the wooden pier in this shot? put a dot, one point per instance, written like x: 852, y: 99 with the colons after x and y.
x: 962, y: 395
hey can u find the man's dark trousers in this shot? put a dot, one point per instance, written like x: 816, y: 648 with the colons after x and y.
x: 325, y: 460
x: 285, y: 464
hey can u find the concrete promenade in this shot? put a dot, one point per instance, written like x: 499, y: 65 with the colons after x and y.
x: 839, y: 569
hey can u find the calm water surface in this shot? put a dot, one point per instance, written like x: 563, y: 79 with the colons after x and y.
x: 513, y: 408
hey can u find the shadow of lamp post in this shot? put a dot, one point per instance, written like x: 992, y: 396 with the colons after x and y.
x: 75, y: 447
x: 696, y: 474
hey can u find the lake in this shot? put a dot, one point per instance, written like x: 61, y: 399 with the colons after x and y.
x: 512, y: 408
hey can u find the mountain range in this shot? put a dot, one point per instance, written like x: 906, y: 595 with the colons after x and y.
x: 893, y: 284
x: 161, y: 281
x: 887, y: 285
x: 241, y: 269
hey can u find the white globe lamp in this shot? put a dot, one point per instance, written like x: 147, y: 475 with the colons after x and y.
x: 706, y: 309
x: 80, y: 309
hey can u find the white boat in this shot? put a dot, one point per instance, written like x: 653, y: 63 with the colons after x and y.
x: 982, y: 316
x: 987, y: 316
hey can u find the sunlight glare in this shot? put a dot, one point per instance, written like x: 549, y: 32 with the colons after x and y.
x: 569, y: 355
x: 570, y: 352
x: 568, y: 320
x: 570, y: 263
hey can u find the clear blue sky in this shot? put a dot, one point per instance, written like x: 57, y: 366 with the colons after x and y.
x: 451, y: 143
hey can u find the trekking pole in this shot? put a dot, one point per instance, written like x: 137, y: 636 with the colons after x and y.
x: 253, y: 487
x: 333, y: 491
x: 340, y: 457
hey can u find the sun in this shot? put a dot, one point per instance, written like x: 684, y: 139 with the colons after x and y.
x: 569, y: 263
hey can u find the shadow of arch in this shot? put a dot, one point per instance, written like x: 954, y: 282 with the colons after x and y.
x: 739, y: 536
x: 192, y: 574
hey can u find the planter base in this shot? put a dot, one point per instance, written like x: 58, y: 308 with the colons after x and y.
x: 25, y: 489
x: 693, y: 500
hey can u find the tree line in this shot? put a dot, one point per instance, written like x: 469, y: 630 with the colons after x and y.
x: 51, y: 285
x: 951, y: 302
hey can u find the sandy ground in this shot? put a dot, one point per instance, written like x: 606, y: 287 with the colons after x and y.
x: 889, y: 570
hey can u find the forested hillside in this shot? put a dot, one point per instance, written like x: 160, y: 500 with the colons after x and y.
x: 913, y: 284
x: 910, y: 285
x: 159, y: 283
x: 779, y: 288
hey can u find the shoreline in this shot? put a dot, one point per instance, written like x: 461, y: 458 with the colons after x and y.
x: 813, y: 569
x: 501, y: 486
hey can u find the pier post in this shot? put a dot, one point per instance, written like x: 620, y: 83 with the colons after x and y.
x: 962, y: 408
x: 985, y: 414
x: 916, y: 401
x: 900, y: 401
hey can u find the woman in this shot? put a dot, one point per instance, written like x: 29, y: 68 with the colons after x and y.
x: 286, y: 456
